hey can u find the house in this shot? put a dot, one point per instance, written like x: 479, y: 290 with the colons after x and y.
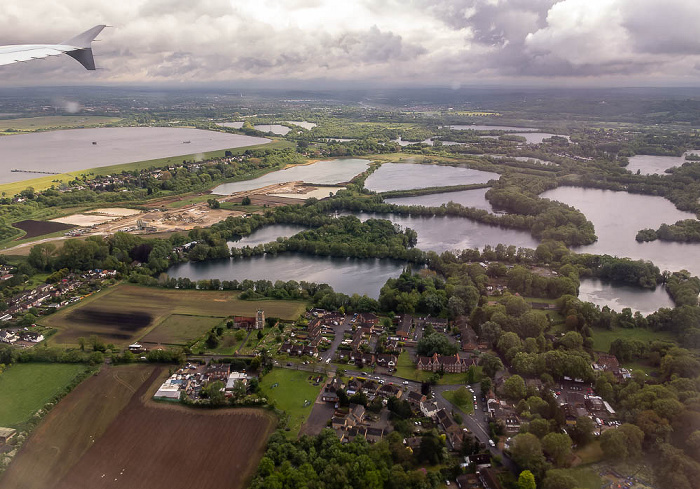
x: 374, y: 435
x: 330, y: 391
x: 168, y: 391
x: 32, y: 336
x: 218, y: 371
x: 390, y: 390
x: 235, y: 377
x: 403, y: 330
x: 455, y: 440
x: 429, y: 408
x: 369, y: 388
x: 387, y: 360
x: 446, y: 422
x: 7, y: 336
x: 353, y: 387
x: 357, y: 413
x: 368, y: 318
x: 339, y: 423
x: 244, y: 322
x: 449, y: 364
x: 6, y: 434
x: 364, y: 359
x: 414, y: 399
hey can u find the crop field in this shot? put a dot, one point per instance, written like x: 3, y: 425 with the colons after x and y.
x: 177, y: 329
x: 130, y: 441
x: 127, y: 313
x: 27, y: 387
x: 294, y: 392
x: 72, y: 427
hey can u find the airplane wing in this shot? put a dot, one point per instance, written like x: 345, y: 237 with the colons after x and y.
x: 79, y: 48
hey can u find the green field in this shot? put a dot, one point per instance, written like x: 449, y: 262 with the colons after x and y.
x: 292, y: 390
x: 602, y: 338
x: 27, y: 387
x: 466, y: 408
x: 126, y: 313
x: 26, y: 124
x: 179, y: 329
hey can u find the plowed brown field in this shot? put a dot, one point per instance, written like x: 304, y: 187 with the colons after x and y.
x: 146, y: 445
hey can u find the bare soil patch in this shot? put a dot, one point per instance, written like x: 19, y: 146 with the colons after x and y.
x: 40, y: 228
x: 123, y: 439
x: 128, y: 322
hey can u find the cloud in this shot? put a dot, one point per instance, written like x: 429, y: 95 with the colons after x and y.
x: 389, y: 41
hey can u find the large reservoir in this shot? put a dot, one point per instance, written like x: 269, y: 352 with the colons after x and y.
x: 80, y: 149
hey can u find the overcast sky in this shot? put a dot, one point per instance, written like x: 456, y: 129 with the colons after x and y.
x: 383, y: 42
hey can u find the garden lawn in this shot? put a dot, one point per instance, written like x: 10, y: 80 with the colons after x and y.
x: 602, y: 338
x: 466, y: 408
x: 292, y: 392
x: 26, y: 387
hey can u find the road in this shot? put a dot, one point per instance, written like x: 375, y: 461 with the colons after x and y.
x: 345, y: 326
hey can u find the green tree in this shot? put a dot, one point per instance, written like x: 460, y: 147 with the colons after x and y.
x: 558, y: 447
x: 526, y: 480
x: 462, y: 396
x: 514, y: 388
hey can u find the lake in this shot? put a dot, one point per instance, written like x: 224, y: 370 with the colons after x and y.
x: 649, y: 164
x: 617, y: 297
x: 467, y: 198
x: 304, y: 124
x: 346, y: 275
x: 326, y: 172
x: 617, y: 216
x: 73, y: 149
x: 234, y: 125
x: 273, y: 128
x: 428, y: 141
x: 407, y: 176
x: 449, y: 233
x: 266, y: 234
x: 524, y: 158
x: 477, y: 127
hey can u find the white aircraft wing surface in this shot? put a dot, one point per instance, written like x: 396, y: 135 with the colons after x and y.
x: 79, y: 48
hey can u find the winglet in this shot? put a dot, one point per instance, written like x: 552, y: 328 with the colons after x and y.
x: 84, y: 42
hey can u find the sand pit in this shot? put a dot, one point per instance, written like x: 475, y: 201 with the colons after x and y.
x: 315, y: 192
x: 116, y: 211
x: 84, y: 219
